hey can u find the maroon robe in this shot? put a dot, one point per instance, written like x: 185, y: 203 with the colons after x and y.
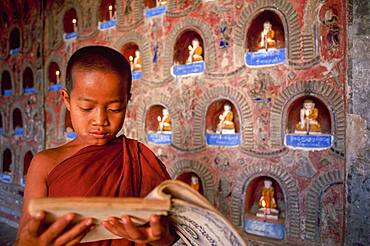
x: 122, y: 168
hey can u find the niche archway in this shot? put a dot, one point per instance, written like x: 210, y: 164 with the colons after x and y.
x: 193, y: 180
x: 215, y: 109
x: 158, y: 125
x: 54, y: 76
x: 70, y: 21
x: 133, y: 54
x: 181, y: 48
x: 15, y: 40
x: 17, y: 122
x: 6, y: 84
x: 7, y: 161
x: 26, y: 162
x: 253, y: 40
x: 28, y: 80
x: 107, y: 10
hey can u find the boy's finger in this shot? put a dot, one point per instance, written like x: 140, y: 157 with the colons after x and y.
x: 56, y: 228
x: 156, y: 227
x: 116, y: 227
x: 34, y: 224
x: 133, y: 232
x: 78, y: 231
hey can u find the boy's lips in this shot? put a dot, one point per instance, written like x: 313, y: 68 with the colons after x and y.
x: 98, y: 134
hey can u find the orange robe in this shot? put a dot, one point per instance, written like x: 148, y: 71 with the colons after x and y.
x: 313, y: 115
x: 268, y: 197
x: 198, y: 51
x: 121, y: 168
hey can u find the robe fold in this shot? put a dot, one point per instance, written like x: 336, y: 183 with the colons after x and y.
x: 121, y: 168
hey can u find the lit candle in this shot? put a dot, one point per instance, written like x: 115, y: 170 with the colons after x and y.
x: 74, y: 21
x: 110, y: 8
x: 57, y: 73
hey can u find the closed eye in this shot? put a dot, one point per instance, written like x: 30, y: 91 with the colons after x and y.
x: 116, y: 110
x: 85, y: 109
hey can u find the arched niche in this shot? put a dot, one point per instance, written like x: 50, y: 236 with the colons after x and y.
x: 6, y: 84
x: 107, y: 10
x: 70, y: 21
x: 7, y: 162
x: 28, y: 80
x: 193, y: 180
x: 27, y: 161
x: 181, y: 48
x: 17, y: 121
x: 54, y: 76
x: 133, y: 54
x: 158, y: 125
x: 154, y: 8
x: 222, y: 124
x: 14, y: 40
x: 293, y: 114
x: 264, y: 205
x: 70, y: 134
x: 254, y: 33
x: 150, y: 4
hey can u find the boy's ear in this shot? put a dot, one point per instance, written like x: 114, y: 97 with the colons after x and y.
x: 66, y: 99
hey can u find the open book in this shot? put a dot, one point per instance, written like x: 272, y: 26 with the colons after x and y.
x: 195, y: 220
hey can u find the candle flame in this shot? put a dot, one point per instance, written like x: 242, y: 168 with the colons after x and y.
x: 74, y: 21
x: 57, y: 73
x: 110, y: 7
x: 263, y: 203
x: 131, y: 58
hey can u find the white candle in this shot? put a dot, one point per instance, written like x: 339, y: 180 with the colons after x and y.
x: 57, y: 73
x: 74, y: 21
x: 110, y: 8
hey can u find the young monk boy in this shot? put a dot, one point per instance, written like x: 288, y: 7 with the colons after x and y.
x: 96, y: 163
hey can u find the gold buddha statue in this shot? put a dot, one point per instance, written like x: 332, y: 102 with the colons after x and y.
x: 308, y: 119
x: 267, y: 39
x: 267, y: 202
x: 164, y: 122
x: 194, y: 182
x: 195, y: 52
x: 226, y: 124
x: 136, y: 63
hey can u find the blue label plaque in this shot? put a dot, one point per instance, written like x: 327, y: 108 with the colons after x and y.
x: 55, y: 87
x: 309, y: 141
x: 151, y: 12
x: 6, y: 178
x: 19, y: 131
x: 266, y: 229
x: 1, y: 131
x: 15, y: 51
x: 8, y: 92
x: 223, y: 139
x: 188, y: 69
x: 159, y: 138
x: 265, y: 58
x: 70, y: 35
x: 29, y: 90
x: 71, y: 135
x: 23, y: 181
x: 136, y: 75
x: 108, y: 24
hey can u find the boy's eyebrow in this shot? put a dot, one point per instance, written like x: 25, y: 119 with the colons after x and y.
x: 94, y: 101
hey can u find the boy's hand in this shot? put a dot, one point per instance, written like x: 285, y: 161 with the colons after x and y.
x: 158, y: 232
x: 35, y: 233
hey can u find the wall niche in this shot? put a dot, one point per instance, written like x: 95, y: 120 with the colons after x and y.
x: 265, y: 42
x: 222, y: 124
x: 108, y: 18
x: 308, y: 124
x: 54, y: 76
x: 188, y: 56
x: 193, y: 180
x: 6, y: 84
x: 26, y: 164
x: 18, y: 122
x: 6, y: 170
x: 15, y: 41
x: 158, y: 125
x: 264, y: 208
x: 70, y: 26
x: 28, y: 81
x: 132, y: 53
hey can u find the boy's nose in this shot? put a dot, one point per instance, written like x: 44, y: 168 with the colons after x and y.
x: 100, y: 118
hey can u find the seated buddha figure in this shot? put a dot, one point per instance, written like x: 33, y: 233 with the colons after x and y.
x: 267, y: 39
x: 308, y: 119
x: 226, y: 124
x: 194, y: 182
x: 136, y: 63
x: 267, y: 201
x: 164, y: 122
x: 195, y: 52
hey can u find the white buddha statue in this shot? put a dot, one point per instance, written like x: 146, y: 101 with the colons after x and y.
x: 226, y: 124
x: 267, y: 39
x: 195, y: 52
x: 164, y: 122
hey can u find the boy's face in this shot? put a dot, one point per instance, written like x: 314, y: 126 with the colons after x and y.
x: 97, y: 104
